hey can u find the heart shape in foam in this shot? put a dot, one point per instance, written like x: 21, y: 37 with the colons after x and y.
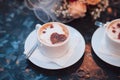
x: 57, y: 38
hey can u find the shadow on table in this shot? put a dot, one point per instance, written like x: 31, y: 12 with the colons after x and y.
x: 112, y: 72
x: 59, y: 72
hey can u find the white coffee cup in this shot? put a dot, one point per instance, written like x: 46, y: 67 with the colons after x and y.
x: 112, y: 33
x: 53, y: 39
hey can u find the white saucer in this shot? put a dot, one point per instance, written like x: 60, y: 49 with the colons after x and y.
x: 101, y: 51
x: 76, y: 54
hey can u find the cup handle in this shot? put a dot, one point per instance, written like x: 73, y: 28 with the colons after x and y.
x: 37, y: 26
x: 100, y: 24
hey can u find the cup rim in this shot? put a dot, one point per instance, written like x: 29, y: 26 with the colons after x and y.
x: 106, y: 30
x: 56, y: 45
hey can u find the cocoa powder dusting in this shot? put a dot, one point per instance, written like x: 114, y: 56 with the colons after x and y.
x: 44, y: 32
x: 113, y: 27
x: 51, y: 26
x: 119, y: 36
x: 113, y: 31
x: 118, y: 25
x: 56, y: 38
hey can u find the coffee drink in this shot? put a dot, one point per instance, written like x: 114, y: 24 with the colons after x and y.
x: 53, y: 39
x: 114, y: 30
x: 112, y: 37
x: 53, y: 33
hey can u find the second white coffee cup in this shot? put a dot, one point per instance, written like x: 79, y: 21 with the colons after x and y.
x: 112, y: 34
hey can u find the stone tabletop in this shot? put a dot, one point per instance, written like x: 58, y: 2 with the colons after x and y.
x: 17, y: 21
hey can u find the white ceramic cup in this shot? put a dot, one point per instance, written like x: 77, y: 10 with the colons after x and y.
x: 52, y: 50
x: 111, y: 36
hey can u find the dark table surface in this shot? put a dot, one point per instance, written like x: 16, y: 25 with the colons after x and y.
x: 16, y: 22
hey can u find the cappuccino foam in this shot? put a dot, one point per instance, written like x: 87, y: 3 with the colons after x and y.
x: 114, y: 31
x: 49, y: 29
